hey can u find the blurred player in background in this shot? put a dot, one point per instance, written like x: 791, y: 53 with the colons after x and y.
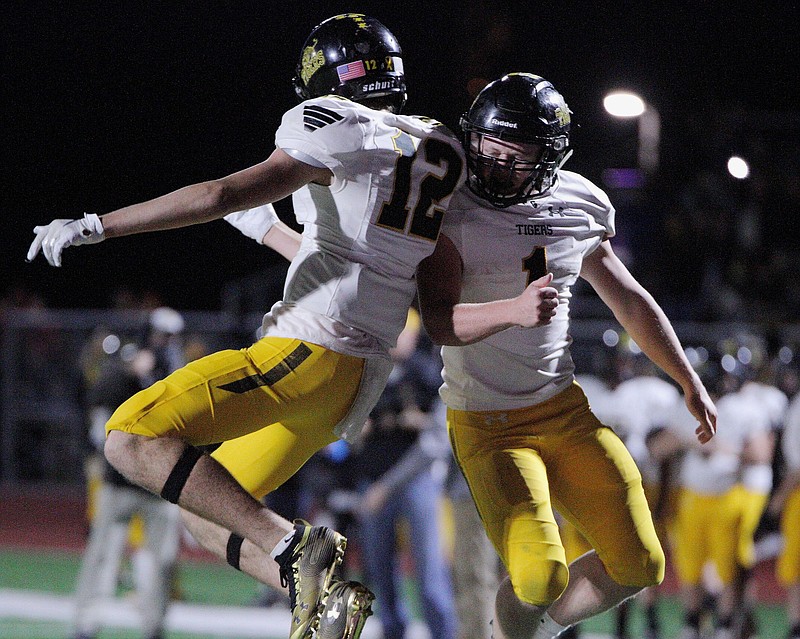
x: 642, y: 405
x: 120, y: 503
x: 786, y: 503
x: 714, y: 522
x: 370, y: 188
x: 400, y: 468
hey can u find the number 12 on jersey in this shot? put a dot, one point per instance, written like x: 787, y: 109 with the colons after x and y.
x: 426, y: 217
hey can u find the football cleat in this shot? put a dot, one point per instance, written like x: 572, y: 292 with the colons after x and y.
x: 345, y: 612
x: 307, y: 567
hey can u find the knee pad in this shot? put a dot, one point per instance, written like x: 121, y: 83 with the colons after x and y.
x: 180, y: 473
x: 540, y: 585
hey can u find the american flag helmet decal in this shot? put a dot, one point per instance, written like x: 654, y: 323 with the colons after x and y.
x: 351, y: 70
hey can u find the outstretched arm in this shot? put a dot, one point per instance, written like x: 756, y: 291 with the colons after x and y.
x: 454, y: 324
x: 271, y: 180
x: 649, y: 327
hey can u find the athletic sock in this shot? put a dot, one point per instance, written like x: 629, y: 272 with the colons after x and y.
x: 548, y: 628
x: 283, y: 544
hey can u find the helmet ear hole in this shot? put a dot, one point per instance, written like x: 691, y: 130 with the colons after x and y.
x: 299, y: 88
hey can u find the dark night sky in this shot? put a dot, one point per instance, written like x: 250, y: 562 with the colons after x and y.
x: 110, y: 103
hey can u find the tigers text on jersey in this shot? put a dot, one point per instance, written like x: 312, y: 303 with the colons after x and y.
x: 351, y: 284
x: 502, y: 251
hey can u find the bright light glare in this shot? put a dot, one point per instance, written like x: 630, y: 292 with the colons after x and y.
x: 610, y: 337
x: 738, y: 167
x: 623, y: 104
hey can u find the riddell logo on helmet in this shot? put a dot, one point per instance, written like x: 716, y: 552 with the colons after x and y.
x: 505, y: 123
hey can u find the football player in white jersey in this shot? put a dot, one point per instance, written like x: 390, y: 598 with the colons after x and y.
x: 370, y: 187
x: 786, y: 502
x: 521, y: 428
x: 714, y: 515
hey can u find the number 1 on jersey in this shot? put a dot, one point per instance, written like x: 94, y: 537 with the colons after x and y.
x: 535, y: 264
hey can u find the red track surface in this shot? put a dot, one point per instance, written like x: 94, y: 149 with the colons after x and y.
x: 50, y: 519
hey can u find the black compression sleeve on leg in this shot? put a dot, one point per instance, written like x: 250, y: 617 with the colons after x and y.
x: 180, y: 473
x: 234, y: 550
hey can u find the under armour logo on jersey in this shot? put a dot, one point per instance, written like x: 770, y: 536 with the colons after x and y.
x: 315, y: 117
x: 498, y: 418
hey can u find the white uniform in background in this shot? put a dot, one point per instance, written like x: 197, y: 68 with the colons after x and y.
x: 643, y: 404
x: 788, y: 567
x: 709, y: 518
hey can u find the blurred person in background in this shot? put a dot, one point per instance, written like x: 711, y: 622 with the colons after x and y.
x: 713, y: 524
x: 475, y: 582
x: 642, y: 404
x: 400, y: 469
x: 756, y: 486
x: 785, y: 503
x: 122, y: 510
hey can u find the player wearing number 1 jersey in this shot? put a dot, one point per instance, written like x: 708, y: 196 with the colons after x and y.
x: 496, y: 293
x: 370, y: 188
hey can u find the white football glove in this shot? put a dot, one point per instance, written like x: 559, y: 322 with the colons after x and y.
x: 59, y: 234
x: 254, y: 223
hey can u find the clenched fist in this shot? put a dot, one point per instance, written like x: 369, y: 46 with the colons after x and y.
x: 538, y: 303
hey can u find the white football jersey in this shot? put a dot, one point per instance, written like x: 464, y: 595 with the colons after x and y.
x: 600, y: 396
x: 503, y: 250
x: 773, y: 401
x: 790, y: 441
x: 716, y: 468
x: 351, y: 284
x: 643, y: 404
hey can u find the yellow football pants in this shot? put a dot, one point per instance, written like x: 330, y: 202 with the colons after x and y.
x: 516, y: 461
x: 272, y: 406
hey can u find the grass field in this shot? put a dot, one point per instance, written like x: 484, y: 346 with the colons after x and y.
x: 35, y: 589
x: 42, y: 534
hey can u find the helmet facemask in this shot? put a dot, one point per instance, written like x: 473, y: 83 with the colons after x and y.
x: 507, y: 172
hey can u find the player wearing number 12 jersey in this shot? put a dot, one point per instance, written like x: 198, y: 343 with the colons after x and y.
x: 370, y: 188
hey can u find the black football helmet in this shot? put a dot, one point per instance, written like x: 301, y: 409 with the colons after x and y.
x: 354, y: 56
x: 519, y: 107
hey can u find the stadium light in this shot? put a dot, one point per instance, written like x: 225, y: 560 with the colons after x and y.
x: 626, y: 104
x: 738, y: 167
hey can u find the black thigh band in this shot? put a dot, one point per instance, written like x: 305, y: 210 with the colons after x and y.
x: 234, y: 550
x: 180, y: 473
